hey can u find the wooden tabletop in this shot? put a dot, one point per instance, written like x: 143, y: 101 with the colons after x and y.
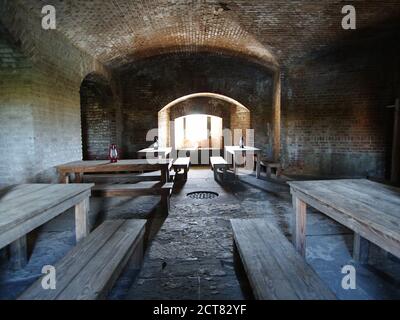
x: 21, y: 204
x: 361, y: 201
x: 233, y: 149
x: 107, y: 166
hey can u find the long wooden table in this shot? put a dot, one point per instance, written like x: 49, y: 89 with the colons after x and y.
x: 26, y: 207
x: 235, y: 150
x: 103, y: 166
x: 370, y: 209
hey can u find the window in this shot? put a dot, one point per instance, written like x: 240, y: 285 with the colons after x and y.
x: 198, y: 131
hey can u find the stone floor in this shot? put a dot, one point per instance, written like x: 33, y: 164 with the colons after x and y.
x: 189, y: 253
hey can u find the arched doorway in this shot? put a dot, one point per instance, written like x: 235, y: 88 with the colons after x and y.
x: 234, y: 115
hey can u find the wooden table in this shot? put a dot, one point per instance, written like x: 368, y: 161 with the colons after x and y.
x: 24, y: 208
x: 235, y: 150
x: 370, y: 209
x: 153, y: 153
x: 103, y: 166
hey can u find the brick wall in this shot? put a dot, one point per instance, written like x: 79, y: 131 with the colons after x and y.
x: 334, y: 116
x: 98, y: 119
x: 150, y: 84
x: 41, y: 74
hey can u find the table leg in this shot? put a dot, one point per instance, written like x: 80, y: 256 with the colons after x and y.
x: 63, y: 178
x: 78, y: 177
x: 258, y: 166
x: 18, y: 253
x: 360, y: 249
x: 299, y: 236
x: 164, y: 175
x: 82, y: 220
x: 234, y: 164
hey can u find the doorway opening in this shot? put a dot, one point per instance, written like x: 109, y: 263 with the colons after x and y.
x: 198, y: 131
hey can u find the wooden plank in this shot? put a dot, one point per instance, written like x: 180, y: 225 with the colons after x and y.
x: 360, y: 249
x: 18, y: 228
x: 128, y: 190
x: 218, y: 161
x: 134, y: 165
x: 18, y: 210
x: 362, y: 227
x: 302, y: 277
x: 370, y: 194
x: 82, y: 220
x: 21, y: 190
x: 74, y: 261
x: 98, y: 276
x: 182, y: 162
x: 274, y: 269
x: 122, y: 178
x: 19, y: 253
x: 14, y: 213
x: 300, y: 226
x: 379, y: 220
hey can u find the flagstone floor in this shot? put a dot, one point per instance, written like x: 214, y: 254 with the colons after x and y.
x: 189, y: 254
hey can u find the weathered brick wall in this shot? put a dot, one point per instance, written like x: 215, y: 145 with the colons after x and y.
x: 16, y: 128
x: 150, y: 84
x: 334, y: 116
x: 98, y: 119
x: 41, y: 74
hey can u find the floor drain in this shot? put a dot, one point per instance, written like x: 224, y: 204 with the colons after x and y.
x: 202, y: 195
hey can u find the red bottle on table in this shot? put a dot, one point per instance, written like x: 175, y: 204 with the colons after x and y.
x: 113, y: 153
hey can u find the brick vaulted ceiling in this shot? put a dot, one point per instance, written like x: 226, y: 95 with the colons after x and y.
x: 277, y: 31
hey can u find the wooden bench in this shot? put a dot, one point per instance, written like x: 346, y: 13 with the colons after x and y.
x: 274, y: 268
x: 91, y: 268
x: 142, y: 188
x: 110, y: 178
x: 272, y: 167
x: 182, y: 164
x: 219, y: 163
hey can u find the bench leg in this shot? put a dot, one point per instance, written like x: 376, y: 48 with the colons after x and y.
x: 63, y: 178
x: 82, y: 220
x: 360, y: 249
x: 300, y: 211
x: 165, y: 202
x: 136, y: 260
x: 215, y: 173
x: 269, y: 172
x: 19, y: 253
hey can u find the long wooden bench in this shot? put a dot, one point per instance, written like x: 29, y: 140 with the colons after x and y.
x: 91, y: 268
x: 182, y: 164
x: 136, y: 189
x: 274, y: 268
x: 107, y: 178
x: 219, y: 163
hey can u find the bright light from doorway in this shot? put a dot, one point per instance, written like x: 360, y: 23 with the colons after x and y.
x: 198, y: 131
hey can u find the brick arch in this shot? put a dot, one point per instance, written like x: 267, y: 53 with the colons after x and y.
x: 234, y: 114
x: 98, y: 117
x: 148, y: 85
